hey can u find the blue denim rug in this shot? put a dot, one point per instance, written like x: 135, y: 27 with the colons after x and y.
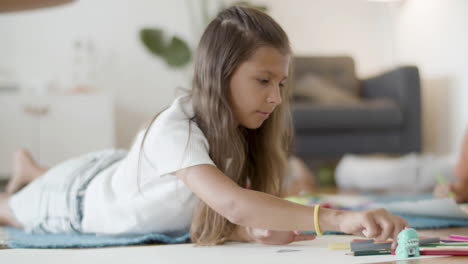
x: 19, y: 239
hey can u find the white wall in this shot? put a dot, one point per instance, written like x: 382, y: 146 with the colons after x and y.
x: 38, y: 47
x: 359, y: 28
x: 38, y: 44
x: 433, y: 34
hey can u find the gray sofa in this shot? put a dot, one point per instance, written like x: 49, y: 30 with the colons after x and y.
x: 385, y: 118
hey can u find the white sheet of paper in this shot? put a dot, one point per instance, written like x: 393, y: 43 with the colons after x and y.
x: 431, y: 207
x: 314, y: 251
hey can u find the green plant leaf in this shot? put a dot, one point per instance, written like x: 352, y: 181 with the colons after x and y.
x: 177, y: 53
x: 153, y: 40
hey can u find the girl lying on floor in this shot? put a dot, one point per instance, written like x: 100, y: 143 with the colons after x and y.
x: 212, y: 163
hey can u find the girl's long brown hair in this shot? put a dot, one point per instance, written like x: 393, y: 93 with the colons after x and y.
x: 256, y: 156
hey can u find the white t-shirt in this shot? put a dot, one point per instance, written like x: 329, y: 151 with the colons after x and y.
x: 117, y: 202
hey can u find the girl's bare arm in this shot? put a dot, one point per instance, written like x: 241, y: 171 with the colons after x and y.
x: 252, y: 208
x: 255, y: 209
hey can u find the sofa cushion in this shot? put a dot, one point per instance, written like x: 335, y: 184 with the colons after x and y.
x: 338, y: 70
x: 315, y: 89
x: 370, y: 114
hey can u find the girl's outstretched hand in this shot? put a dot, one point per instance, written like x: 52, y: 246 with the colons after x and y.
x: 378, y: 224
x: 271, y: 237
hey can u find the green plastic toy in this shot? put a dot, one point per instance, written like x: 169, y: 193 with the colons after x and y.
x: 408, y: 243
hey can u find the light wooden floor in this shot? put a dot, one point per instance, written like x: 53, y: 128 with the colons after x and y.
x: 29, y: 254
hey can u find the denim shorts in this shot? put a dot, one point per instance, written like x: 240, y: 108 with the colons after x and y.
x: 53, y: 202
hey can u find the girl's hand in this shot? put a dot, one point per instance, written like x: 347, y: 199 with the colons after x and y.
x: 378, y: 224
x: 270, y: 237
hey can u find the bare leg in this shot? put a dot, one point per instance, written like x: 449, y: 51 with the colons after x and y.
x: 461, y: 169
x: 460, y: 187
x: 6, y: 216
x: 25, y: 170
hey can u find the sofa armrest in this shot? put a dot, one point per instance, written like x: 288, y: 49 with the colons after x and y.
x: 403, y: 86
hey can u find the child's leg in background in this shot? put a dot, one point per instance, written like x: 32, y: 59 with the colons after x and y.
x: 461, y: 169
x: 299, y: 180
x: 460, y: 187
x: 410, y: 173
x: 25, y: 170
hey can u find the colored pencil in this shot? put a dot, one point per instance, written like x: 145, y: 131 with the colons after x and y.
x: 458, y: 237
x: 440, y: 252
x: 371, y: 252
x: 429, y: 240
x: 444, y: 252
x: 363, y: 245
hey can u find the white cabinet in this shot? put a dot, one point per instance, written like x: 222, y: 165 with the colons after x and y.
x: 54, y: 127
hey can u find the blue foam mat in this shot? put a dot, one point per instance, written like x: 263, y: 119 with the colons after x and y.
x: 20, y: 239
x: 420, y: 222
x: 423, y: 222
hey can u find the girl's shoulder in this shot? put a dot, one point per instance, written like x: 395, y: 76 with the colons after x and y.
x: 174, y: 141
x: 176, y: 121
x: 181, y: 109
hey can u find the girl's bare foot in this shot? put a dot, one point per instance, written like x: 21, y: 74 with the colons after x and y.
x: 6, y: 216
x: 25, y: 170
